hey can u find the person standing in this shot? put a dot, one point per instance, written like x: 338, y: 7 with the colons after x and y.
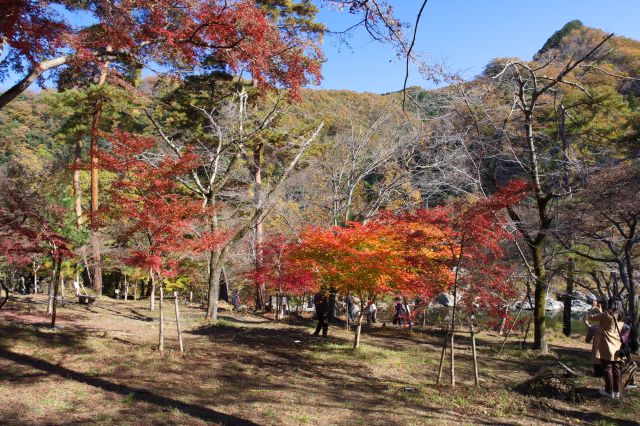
x: 348, y: 301
x: 398, y: 317
x: 321, y: 303
x: 371, y: 311
x: 593, y: 337
x: 610, y: 322
x: 235, y: 300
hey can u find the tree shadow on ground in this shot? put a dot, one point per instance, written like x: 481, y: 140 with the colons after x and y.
x: 264, y: 362
x: 139, y: 394
x: 13, y: 333
x: 586, y: 416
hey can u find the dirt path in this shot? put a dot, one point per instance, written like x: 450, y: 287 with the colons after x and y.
x: 101, y: 366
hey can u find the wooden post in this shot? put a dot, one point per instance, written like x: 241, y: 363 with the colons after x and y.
x: 510, y: 330
x: 444, y: 350
x: 475, y: 358
x: 175, y: 295
x: 453, y: 361
x: 161, y: 337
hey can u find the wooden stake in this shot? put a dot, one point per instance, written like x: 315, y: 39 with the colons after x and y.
x: 453, y: 362
x: 161, y: 337
x: 510, y: 330
x: 175, y: 295
x: 444, y: 350
x: 475, y: 357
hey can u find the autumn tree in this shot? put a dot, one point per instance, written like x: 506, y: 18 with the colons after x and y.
x: 156, y: 222
x: 605, y: 218
x: 523, y: 144
x: 32, y: 224
x: 281, y: 272
x: 376, y: 258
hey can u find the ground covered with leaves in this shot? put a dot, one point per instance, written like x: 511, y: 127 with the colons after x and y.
x: 101, y: 366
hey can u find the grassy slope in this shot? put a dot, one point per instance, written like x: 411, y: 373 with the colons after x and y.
x: 101, y: 366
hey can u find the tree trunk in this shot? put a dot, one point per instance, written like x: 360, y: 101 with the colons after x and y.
x: 35, y: 278
x: 152, y: 293
x: 50, y: 289
x: 56, y: 276
x: 540, y: 298
x: 356, y: 342
x: 566, y: 317
x: 95, y: 168
x: 126, y: 288
x: 64, y: 302
x: 161, y: 328
x: 634, y: 343
x: 77, y: 190
x: 95, y: 237
x: 224, y: 286
x: 143, y: 289
x: 175, y: 296
x: 258, y: 232
x: 215, y: 269
x: 32, y: 76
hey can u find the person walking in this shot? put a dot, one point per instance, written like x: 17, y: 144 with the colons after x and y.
x: 321, y: 303
x: 610, y: 322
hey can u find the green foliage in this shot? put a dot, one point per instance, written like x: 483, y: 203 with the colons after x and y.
x: 554, y: 41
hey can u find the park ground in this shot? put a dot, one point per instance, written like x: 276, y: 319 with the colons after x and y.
x: 101, y: 366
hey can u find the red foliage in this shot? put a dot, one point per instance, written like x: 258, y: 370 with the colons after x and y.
x: 173, y: 33
x: 28, y: 226
x: 154, y: 217
x: 280, y: 271
x: 380, y: 257
x: 32, y: 30
x: 474, y: 238
x: 413, y: 254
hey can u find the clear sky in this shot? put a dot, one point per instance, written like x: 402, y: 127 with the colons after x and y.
x: 463, y: 34
x: 466, y: 35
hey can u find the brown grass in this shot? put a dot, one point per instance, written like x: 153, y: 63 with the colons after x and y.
x: 101, y: 366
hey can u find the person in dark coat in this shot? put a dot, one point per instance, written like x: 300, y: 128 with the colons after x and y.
x: 321, y: 304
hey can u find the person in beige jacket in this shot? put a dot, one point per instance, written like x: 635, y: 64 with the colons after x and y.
x: 610, y: 324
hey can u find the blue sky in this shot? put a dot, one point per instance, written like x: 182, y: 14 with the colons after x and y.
x: 462, y: 34
x: 465, y: 35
